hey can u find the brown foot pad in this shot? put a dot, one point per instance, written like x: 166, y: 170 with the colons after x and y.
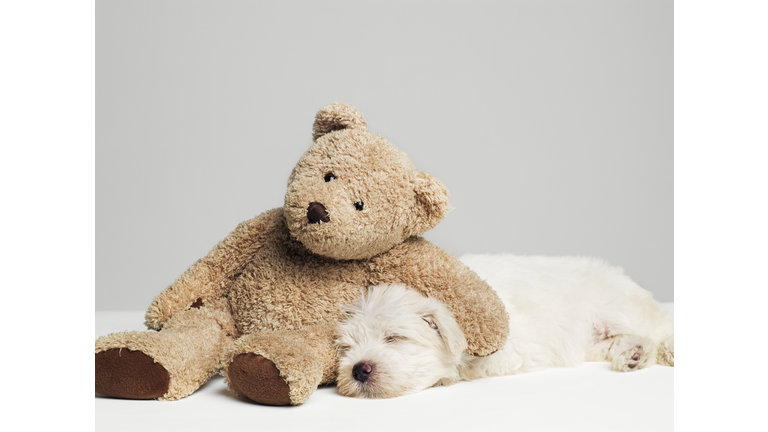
x: 126, y: 374
x: 257, y: 378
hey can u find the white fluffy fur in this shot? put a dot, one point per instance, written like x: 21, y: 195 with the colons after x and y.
x: 563, y: 311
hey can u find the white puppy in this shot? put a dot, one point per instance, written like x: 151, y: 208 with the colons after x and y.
x: 563, y: 311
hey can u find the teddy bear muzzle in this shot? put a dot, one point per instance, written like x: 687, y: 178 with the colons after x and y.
x: 317, y: 213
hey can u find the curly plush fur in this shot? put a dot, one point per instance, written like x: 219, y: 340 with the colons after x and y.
x: 262, y: 304
x: 563, y: 311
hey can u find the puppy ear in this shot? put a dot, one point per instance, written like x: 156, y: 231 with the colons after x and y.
x: 431, y: 203
x: 453, y: 338
x: 337, y: 116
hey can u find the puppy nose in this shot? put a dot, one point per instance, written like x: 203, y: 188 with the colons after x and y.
x: 362, y: 371
x: 316, y: 213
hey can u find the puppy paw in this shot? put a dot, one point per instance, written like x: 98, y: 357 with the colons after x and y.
x: 633, y: 359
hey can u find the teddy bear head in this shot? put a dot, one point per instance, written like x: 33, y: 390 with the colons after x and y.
x: 354, y: 195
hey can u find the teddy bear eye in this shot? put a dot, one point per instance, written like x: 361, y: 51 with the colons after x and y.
x: 359, y: 205
x: 328, y: 177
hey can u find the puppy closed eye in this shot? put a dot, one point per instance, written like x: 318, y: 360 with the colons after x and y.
x: 393, y: 338
x: 342, y: 348
x: 433, y: 326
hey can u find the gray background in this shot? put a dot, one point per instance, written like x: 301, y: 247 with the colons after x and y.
x: 551, y: 123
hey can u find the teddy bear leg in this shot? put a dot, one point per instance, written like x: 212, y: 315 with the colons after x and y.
x: 282, y: 367
x: 165, y: 365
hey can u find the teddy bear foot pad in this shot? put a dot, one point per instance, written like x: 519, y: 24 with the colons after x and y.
x: 126, y: 374
x: 257, y: 378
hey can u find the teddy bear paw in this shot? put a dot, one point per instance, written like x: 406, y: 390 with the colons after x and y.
x: 258, y: 379
x: 126, y: 374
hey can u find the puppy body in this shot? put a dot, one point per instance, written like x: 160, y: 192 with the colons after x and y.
x: 563, y: 311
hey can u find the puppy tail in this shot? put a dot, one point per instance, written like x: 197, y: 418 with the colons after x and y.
x: 666, y: 352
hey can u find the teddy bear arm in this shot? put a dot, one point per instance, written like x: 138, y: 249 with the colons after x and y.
x: 211, y: 277
x: 479, y: 312
x: 425, y: 267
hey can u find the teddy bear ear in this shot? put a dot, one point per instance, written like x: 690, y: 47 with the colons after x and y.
x: 431, y: 203
x: 335, y: 117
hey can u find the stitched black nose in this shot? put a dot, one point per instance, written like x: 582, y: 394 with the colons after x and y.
x: 316, y: 213
x: 362, y: 371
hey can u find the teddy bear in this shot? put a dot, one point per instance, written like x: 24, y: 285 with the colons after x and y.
x: 262, y: 305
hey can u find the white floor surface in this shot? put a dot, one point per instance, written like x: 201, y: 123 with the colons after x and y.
x: 591, y: 397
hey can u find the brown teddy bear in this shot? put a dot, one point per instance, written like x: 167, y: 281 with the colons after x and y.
x: 264, y: 302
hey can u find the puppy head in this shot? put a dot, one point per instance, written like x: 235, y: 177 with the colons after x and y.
x: 394, y: 341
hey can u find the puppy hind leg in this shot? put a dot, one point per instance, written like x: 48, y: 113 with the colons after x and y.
x: 599, y: 352
x: 625, y: 352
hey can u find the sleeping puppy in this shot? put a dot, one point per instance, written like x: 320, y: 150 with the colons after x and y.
x: 563, y: 311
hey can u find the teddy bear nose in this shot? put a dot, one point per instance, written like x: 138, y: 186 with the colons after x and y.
x: 316, y: 213
x: 362, y: 371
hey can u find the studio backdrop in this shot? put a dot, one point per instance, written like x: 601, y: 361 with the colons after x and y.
x: 550, y: 122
